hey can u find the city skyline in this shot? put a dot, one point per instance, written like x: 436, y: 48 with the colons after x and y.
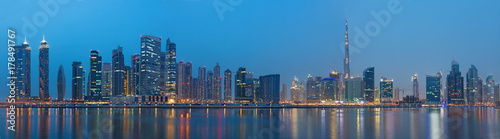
x: 359, y: 61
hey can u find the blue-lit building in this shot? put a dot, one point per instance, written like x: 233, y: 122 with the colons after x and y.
x: 369, y: 79
x: 78, y: 82
x: 433, y: 88
x: 329, y: 89
x: 270, y: 88
x: 61, y: 84
x: 95, y: 78
x: 473, y: 86
x: 454, y: 85
x: 171, y: 68
x: 44, y: 71
x: 386, y: 90
x: 149, y: 75
x: 118, y: 73
x: 22, y: 73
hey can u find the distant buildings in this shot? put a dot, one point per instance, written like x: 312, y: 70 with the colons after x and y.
x: 44, y: 70
x: 95, y: 78
x: 433, y: 88
x: 188, y: 81
x: 61, y: 84
x: 171, y: 68
x: 369, y: 79
x: 78, y: 82
x: 311, y: 88
x: 217, y: 84
x: 416, y: 90
x: 134, y: 74
x: 284, y: 93
x: 240, y: 85
x: 329, y: 89
x: 227, y: 86
x: 270, y: 88
x: 473, y: 95
x: 106, y: 80
x: 180, y: 81
x: 149, y: 74
x: 22, y: 64
x: 489, y: 90
x: 202, y: 84
x: 118, y: 73
x: 386, y: 88
x: 354, y: 88
x: 454, y: 85
x: 210, y: 86
x: 296, y: 93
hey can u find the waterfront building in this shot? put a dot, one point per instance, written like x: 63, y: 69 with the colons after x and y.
x: 489, y: 90
x: 78, y: 82
x: 284, y: 93
x: 22, y: 63
x: 171, y: 68
x: 202, y: 85
x: 118, y: 73
x: 95, y: 74
x: 433, y: 88
x: 106, y: 80
x: 454, y: 85
x: 329, y: 89
x: 61, y: 84
x: 369, y: 79
x: 416, y: 90
x: 386, y: 88
x: 269, y: 88
x: 43, y: 78
x: 210, y: 86
x: 180, y: 81
x: 217, y: 86
x: 354, y: 89
x: 134, y: 74
x: 227, y: 86
x: 149, y: 75
x: 472, y: 89
x: 240, y: 86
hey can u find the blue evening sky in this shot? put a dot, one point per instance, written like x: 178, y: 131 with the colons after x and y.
x: 288, y: 37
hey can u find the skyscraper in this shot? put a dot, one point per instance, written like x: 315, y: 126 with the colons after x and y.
x: 497, y: 93
x: 134, y: 73
x: 396, y: 94
x: 162, y: 83
x: 284, y: 93
x: 270, y: 88
x: 44, y: 70
x: 369, y: 79
x: 416, y: 91
x: 295, y: 94
x: 489, y: 90
x: 95, y: 77
x: 217, y: 85
x: 454, y: 85
x: 180, y: 81
x: 240, y: 85
x: 472, y: 86
x: 386, y: 86
x: 202, y: 84
x: 338, y: 84
x: 171, y: 67
x: 354, y: 88
x: 311, y: 88
x: 210, y: 86
x: 329, y: 89
x: 347, y: 70
x: 61, y: 84
x: 106, y: 80
x: 227, y: 85
x: 149, y: 76
x: 188, y: 79
x: 480, y: 89
x: 78, y: 82
x: 433, y: 88
x: 118, y: 70
x: 22, y: 73
x: 126, y: 81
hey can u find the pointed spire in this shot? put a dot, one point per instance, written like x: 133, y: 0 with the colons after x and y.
x: 43, y: 41
x: 25, y: 42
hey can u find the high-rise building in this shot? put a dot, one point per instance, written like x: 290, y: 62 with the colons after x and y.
x: 162, y: 83
x: 217, y: 85
x: 227, y: 86
x: 433, y: 88
x: 202, y: 84
x: 126, y: 81
x: 118, y: 70
x: 257, y: 96
x: 317, y: 82
x: 311, y: 89
x: 240, y: 85
x: 489, y: 90
x: 171, y: 68
x: 188, y: 81
x: 302, y: 92
x: 416, y: 91
x: 83, y: 84
x: 354, y: 88
x: 180, y: 81
x: 480, y: 89
x: 396, y: 94
x: 295, y: 94
x: 134, y: 74
x: 454, y: 85
x: 347, y: 70
x: 194, y: 90
x: 149, y: 76
x: 472, y: 86
x: 329, y: 89
x: 106, y: 80
x: 369, y: 79
x: 44, y: 70
x: 95, y: 77
x: 497, y: 93
x: 386, y: 86
x: 284, y: 93
x: 61, y: 84
x: 270, y: 88
x: 22, y: 73
x: 210, y: 86
x: 338, y: 82
x: 78, y: 81
x: 249, y: 88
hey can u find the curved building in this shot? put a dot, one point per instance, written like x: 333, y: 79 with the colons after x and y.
x: 44, y: 70
x: 61, y: 84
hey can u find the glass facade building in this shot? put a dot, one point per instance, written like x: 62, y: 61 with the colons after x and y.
x: 149, y: 74
x: 454, y: 85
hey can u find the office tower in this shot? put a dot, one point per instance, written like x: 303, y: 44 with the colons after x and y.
x: 249, y: 89
x: 106, y: 79
x: 83, y: 84
x: 295, y: 94
x: 354, y: 88
x: 338, y: 79
x: 433, y: 88
x: 188, y: 78
x: 240, y: 86
x: 497, y: 93
x: 149, y: 76
x: 61, y: 84
x: 376, y: 95
x: 317, y: 81
x: 472, y: 86
x: 270, y: 88
x: 311, y: 88
x: 162, y: 81
x: 257, y: 96
x: 386, y: 86
x: 217, y: 86
x: 454, y: 85
x: 171, y: 68
x: 134, y: 74
x: 126, y: 81
x: 227, y: 86
x: 480, y: 89
x: 22, y: 63
x: 302, y: 92
x: 416, y: 91
x: 77, y: 86
x: 118, y: 73
x: 347, y: 71
x: 44, y: 70
x: 194, y: 90
x: 202, y: 84
x: 180, y: 81
x: 284, y: 93
x: 396, y: 94
x: 329, y: 89
x: 369, y: 79
x: 489, y: 90
x: 95, y: 77
x: 210, y: 86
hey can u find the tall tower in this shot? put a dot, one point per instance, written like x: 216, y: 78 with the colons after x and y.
x: 227, y: 86
x: 23, y: 69
x: 171, y: 68
x: 118, y: 73
x: 415, y: 86
x: 95, y: 73
x: 77, y: 86
x: 44, y: 70
x: 149, y: 74
x: 347, y: 71
x: 61, y: 84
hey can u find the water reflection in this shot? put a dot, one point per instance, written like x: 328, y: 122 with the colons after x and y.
x: 254, y: 123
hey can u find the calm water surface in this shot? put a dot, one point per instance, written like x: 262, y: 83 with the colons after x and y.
x: 197, y: 123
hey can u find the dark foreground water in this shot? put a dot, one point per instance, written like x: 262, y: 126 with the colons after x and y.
x: 148, y: 123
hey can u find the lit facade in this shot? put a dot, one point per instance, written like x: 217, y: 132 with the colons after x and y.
x: 369, y: 79
x: 78, y: 82
x: 454, y: 85
x: 171, y: 68
x: 44, y: 70
x: 227, y: 86
x: 473, y: 86
x: 22, y: 64
x: 61, y: 84
x: 118, y: 73
x: 433, y: 88
x: 149, y: 74
x: 95, y: 78
x: 386, y: 88
x: 354, y: 89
